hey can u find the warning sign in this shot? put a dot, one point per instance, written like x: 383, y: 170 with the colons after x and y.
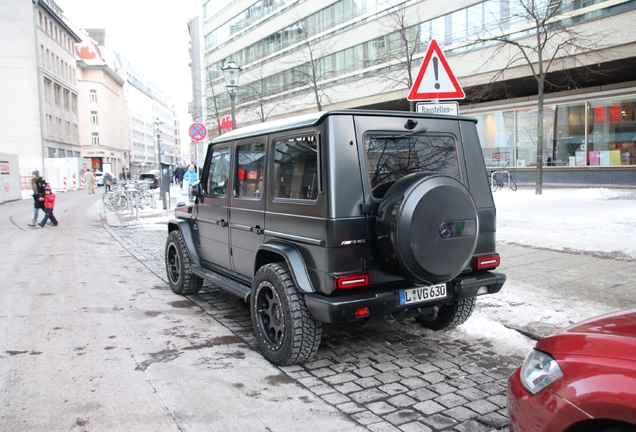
x: 435, y: 79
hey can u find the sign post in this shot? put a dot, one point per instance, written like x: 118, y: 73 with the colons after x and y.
x: 434, y: 81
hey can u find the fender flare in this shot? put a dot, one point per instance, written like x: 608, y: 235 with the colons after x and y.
x: 293, y: 259
x: 184, y: 227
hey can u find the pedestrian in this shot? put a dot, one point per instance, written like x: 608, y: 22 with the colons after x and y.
x: 190, y: 176
x: 89, y: 181
x: 179, y: 172
x: 49, y: 203
x: 108, y: 180
x: 37, y: 185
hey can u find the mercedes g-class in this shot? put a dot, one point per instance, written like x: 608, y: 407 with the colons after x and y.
x: 340, y: 216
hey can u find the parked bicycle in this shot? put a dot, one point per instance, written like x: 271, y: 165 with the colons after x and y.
x: 125, y: 195
x: 500, y: 178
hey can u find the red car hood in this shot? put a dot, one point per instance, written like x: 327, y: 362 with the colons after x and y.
x: 612, y: 335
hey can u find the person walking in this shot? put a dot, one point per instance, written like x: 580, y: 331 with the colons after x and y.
x: 37, y: 185
x: 89, y: 181
x: 108, y: 181
x: 49, y: 204
x: 190, y: 176
x: 179, y: 172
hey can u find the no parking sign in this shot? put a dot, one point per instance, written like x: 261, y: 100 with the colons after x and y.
x: 197, y: 131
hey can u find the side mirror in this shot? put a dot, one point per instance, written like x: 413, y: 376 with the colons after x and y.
x: 195, y: 189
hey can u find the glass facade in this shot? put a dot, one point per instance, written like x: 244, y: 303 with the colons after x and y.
x: 463, y: 25
x: 588, y: 133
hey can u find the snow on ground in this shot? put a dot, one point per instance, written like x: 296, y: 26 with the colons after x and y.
x: 595, y: 220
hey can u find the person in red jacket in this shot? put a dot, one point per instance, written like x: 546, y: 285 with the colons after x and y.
x: 49, y: 203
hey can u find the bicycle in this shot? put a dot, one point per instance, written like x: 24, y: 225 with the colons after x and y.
x: 119, y: 198
x: 500, y: 177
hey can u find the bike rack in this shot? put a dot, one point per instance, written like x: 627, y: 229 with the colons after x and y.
x: 492, y: 177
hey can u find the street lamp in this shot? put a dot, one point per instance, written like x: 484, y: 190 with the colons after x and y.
x: 232, y: 72
x: 158, y: 124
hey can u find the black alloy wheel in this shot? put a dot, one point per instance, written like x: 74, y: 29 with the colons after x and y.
x: 178, y: 263
x: 284, y: 328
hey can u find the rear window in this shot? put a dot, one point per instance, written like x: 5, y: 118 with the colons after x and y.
x: 392, y: 156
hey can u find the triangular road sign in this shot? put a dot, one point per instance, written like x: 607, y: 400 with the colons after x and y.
x: 435, y: 80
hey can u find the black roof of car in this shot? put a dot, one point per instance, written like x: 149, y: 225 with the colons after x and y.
x: 315, y: 118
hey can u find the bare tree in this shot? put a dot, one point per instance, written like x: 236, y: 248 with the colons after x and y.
x: 257, y: 89
x: 314, y: 70
x: 549, y: 42
x: 400, y: 46
x: 214, y: 116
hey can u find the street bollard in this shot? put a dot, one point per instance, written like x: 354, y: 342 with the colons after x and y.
x: 168, y: 203
x: 136, y: 207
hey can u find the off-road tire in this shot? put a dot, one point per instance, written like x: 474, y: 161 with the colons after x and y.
x: 284, y: 328
x: 178, y: 266
x: 451, y: 315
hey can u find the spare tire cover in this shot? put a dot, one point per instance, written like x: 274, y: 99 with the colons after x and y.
x: 427, y: 228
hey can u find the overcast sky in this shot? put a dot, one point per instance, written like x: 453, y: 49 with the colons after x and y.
x: 153, y: 34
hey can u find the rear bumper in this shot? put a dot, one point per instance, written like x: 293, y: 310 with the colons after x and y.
x: 338, y: 309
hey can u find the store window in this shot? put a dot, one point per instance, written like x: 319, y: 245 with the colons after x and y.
x: 569, y: 146
x: 612, y: 132
x: 527, y: 137
x: 496, y: 134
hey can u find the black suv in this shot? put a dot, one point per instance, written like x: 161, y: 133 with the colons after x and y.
x: 340, y: 216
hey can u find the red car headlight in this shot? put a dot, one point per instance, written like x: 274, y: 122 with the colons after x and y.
x: 539, y: 370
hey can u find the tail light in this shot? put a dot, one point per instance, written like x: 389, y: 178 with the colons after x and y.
x: 351, y: 281
x: 486, y: 262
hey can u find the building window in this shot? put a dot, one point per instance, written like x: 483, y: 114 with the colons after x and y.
x: 93, y: 95
x: 74, y: 103
x: 57, y: 91
x: 94, y: 117
x: 95, y: 138
x: 67, y: 97
x: 61, y: 153
x: 48, y: 88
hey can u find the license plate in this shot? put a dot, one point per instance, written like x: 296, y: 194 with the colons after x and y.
x: 422, y: 294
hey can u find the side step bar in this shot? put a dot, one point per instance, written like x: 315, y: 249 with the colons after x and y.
x: 223, y: 282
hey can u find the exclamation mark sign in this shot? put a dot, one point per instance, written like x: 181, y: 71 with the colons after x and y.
x: 435, y: 62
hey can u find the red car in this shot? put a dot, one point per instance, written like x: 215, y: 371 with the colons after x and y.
x: 579, y: 379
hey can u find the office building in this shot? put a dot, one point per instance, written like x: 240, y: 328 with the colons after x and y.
x: 300, y: 56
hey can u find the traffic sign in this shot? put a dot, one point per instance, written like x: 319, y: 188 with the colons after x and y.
x: 444, y: 108
x: 197, y: 131
x: 435, y: 79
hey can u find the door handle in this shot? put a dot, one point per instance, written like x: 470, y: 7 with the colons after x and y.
x: 222, y: 223
x: 257, y: 229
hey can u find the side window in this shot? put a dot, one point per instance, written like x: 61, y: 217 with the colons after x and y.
x: 219, y: 172
x: 296, y: 168
x: 251, y: 166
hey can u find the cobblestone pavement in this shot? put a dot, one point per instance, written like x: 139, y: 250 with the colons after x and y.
x: 393, y: 377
